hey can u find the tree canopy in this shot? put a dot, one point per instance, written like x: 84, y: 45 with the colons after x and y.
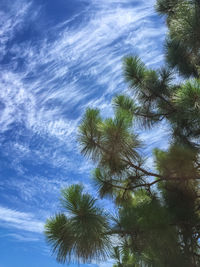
x: 157, y: 221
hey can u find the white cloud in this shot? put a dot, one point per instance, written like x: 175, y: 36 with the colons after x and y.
x: 20, y: 220
x: 79, y: 67
x: 10, y: 23
x: 22, y: 238
x: 106, y: 264
x: 88, y: 46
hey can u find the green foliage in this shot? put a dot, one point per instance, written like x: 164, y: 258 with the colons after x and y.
x: 153, y: 90
x: 188, y: 96
x: 79, y: 235
x: 103, y: 183
x: 134, y: 71
x: 161, y: 99
x: 178, y: 57
x: 167, y: 7
x: 59, y: 234
x: 90, y: 134
x: 157, y: 222
x: 152, y: 234
x: 186, y: 121
x: 108, y: 141
x: 178, y: 162
x: 124, y: 107
x: 183, y: 41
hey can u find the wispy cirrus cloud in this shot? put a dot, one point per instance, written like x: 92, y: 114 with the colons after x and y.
x: 11, y: 22
x: 20, y: 220
x: 21, y: 237
x: 47, y: 84
x: 80, y: 67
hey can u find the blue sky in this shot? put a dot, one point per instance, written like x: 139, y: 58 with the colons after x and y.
x: 56, y: 59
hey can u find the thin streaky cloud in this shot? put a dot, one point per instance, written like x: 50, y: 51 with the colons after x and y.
x: 20, y: 220
x: 46, y: 85
x: 33, y: 102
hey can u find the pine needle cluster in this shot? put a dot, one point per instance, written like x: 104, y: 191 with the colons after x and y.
x: 157, y: 221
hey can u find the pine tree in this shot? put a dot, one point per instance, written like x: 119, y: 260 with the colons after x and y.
x: 157, y: 220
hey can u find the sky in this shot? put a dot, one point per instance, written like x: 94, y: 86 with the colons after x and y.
x: 56, y: 59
